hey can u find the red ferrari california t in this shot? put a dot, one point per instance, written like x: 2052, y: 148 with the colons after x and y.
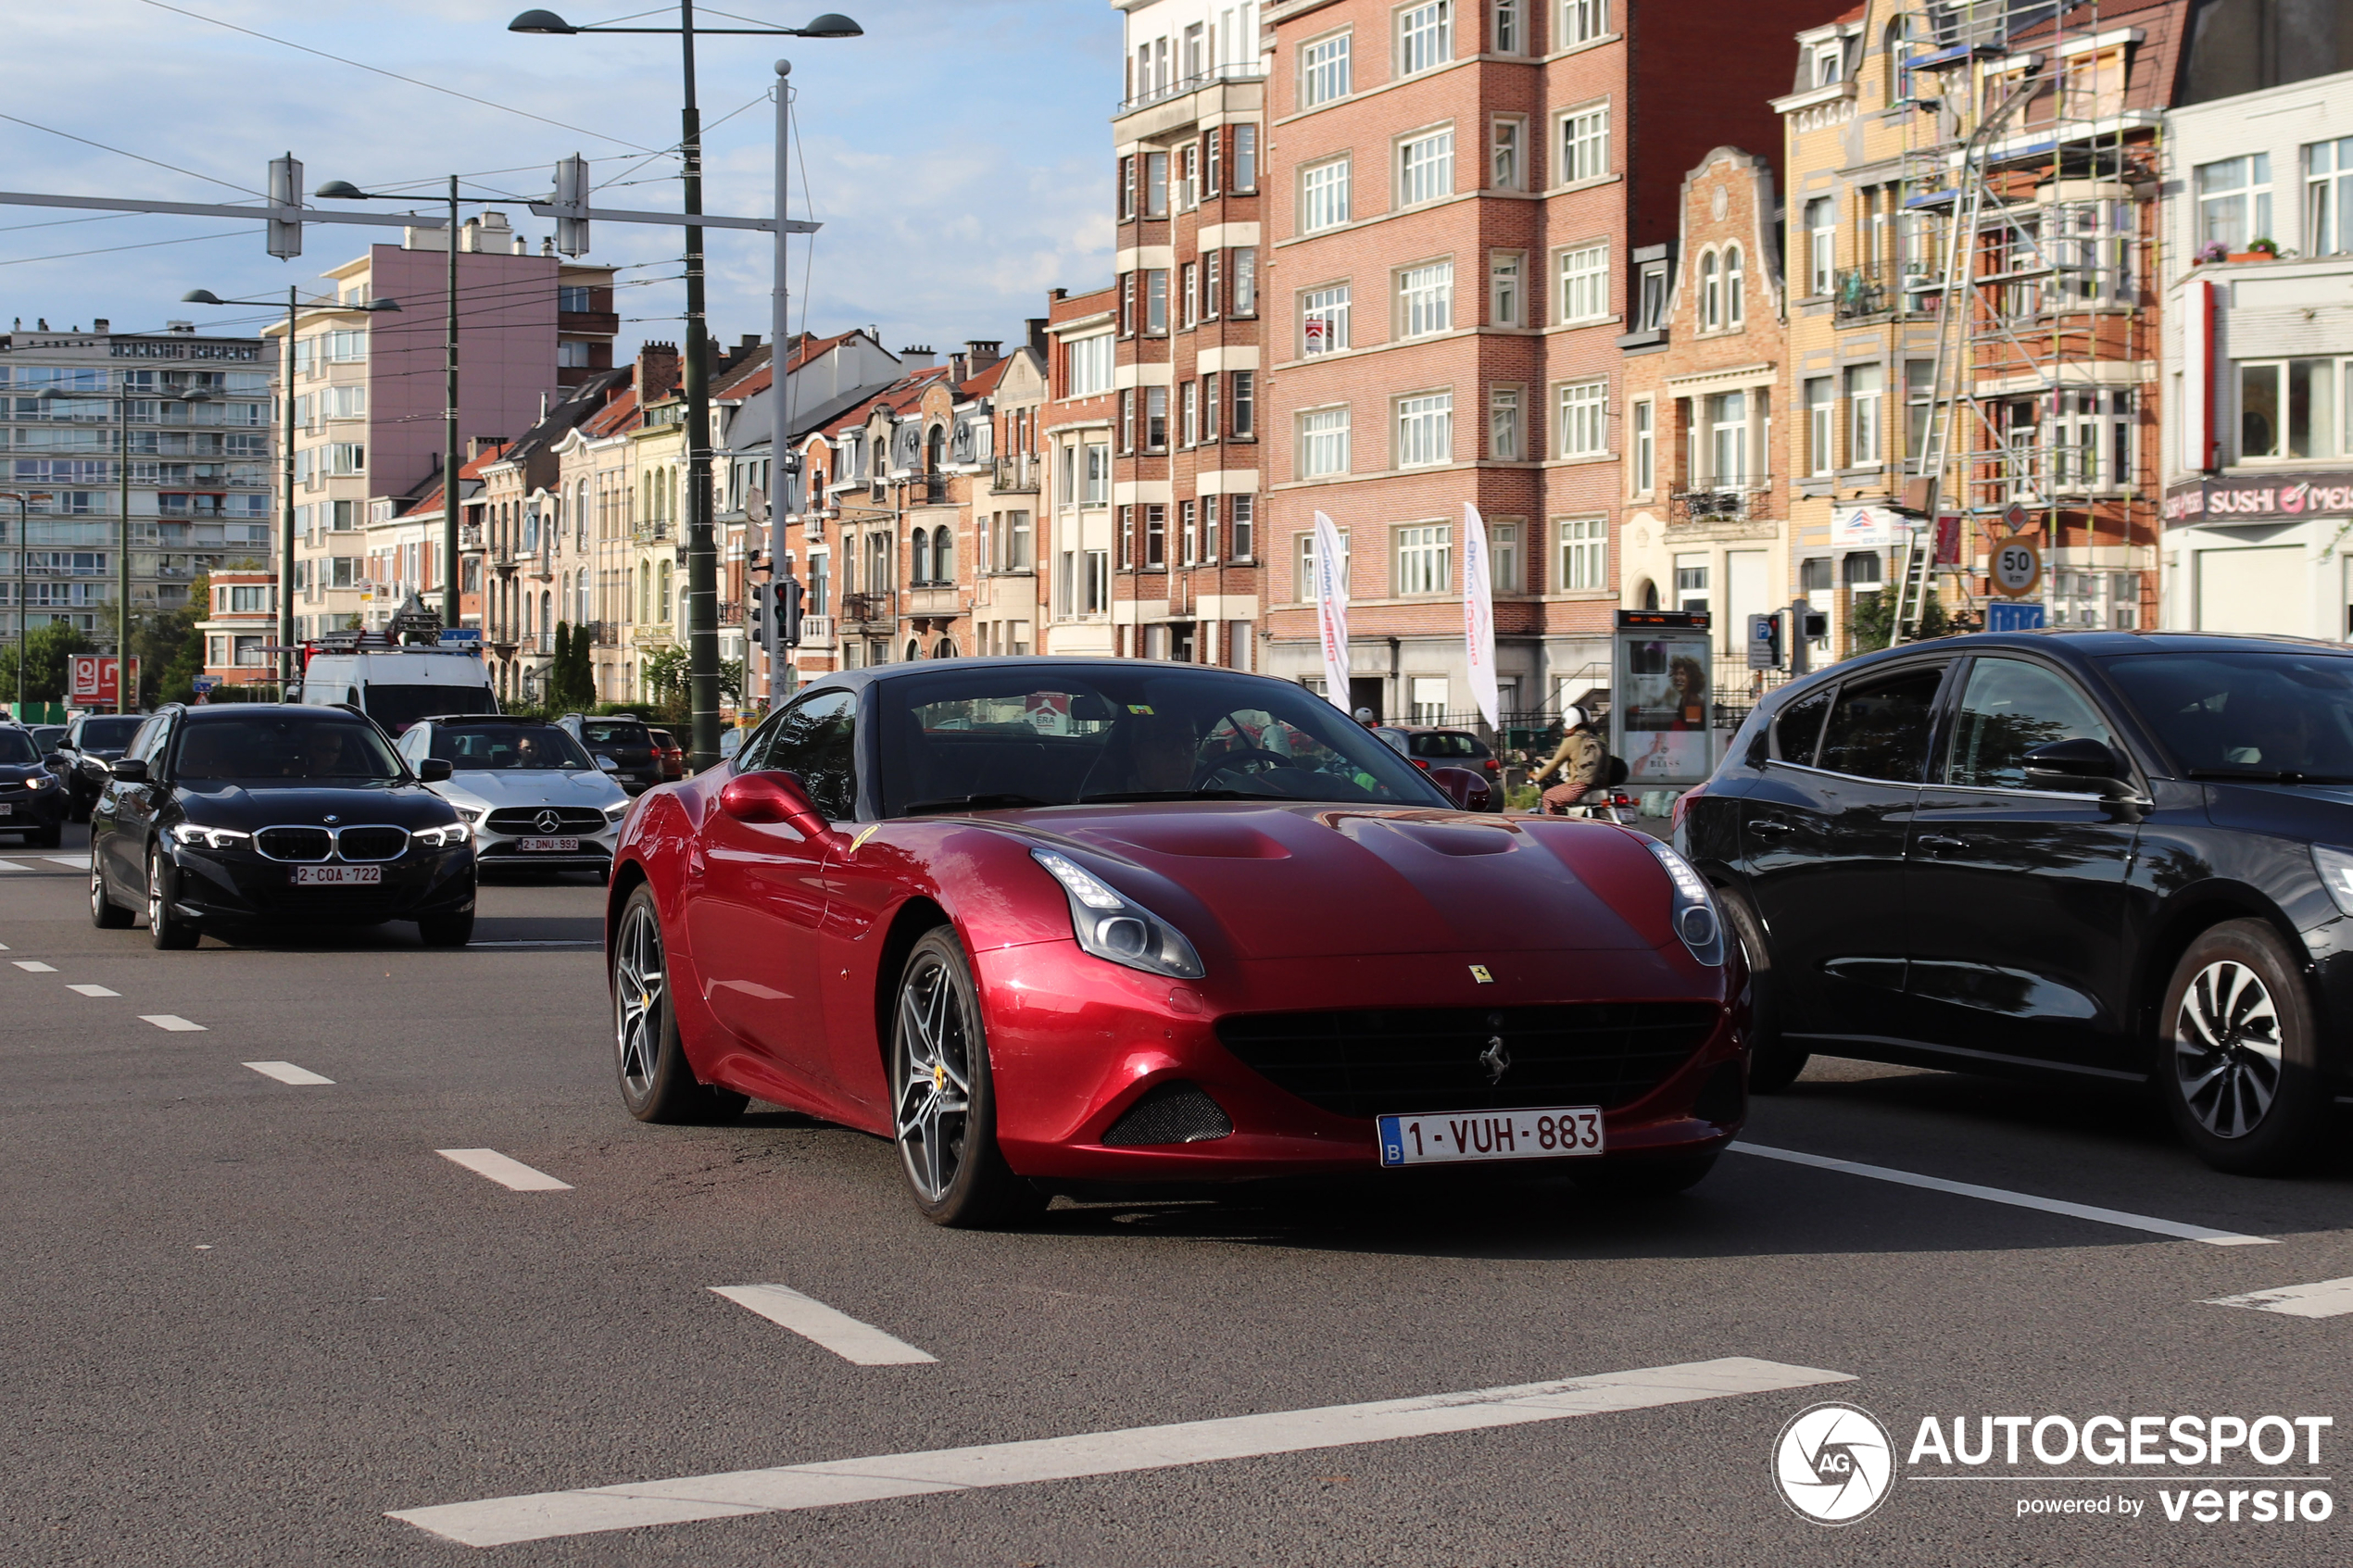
x: 1051, y: 923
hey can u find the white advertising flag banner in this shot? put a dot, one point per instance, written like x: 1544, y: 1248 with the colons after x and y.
x: 1331, y: 609
x: 1479, y: 613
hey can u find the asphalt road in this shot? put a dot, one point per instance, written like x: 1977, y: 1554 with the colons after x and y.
x: 244, y: 1321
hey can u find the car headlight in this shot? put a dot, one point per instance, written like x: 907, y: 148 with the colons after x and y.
x: 192, y: 834
x: 472, y: 813
x: 38, y: 780
x: 1694, y: 917
x: 1113, y: 926
x: 443, y: 837
x: 614, y: 814
x: 2335, y: 866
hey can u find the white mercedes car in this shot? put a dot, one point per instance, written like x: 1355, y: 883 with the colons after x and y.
x: 531, y: 793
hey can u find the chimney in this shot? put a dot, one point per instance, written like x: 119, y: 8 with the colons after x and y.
x: 98, y: 324
x: 918, y: 358
x: 1038, y: 325
x: 982, y: 352
x: 547, y: 246
x: 477, y: 445
x: 657, y: 371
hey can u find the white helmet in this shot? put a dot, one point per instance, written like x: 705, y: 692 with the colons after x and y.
x: 1574, y: 718
x: 1363, y: 715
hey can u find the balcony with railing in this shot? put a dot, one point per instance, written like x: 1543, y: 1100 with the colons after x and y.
x: 1729, y: 504
x: 731, y: 613
x: 1238, y: 70
x: 1887, y: 288
x: 1018, y: 473
x: 816, y: 630
x: 866, y: 609
x: 649, y: 532
x: 470, y: 536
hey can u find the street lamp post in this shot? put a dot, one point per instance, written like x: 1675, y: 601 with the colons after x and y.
x: 286, y: 669
x: 24, y: 525
x: 702, y: 550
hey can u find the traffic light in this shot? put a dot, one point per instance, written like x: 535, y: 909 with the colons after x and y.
x: 756, y: 614
x: 788, y: 617
x: 1806, y: 626
x: 572, y: 191
x: 283, y: 240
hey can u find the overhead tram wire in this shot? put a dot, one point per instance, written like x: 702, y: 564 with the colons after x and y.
x: 110, y: 250
x: 142, y: 157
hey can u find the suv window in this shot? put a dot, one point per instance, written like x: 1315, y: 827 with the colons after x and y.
x: 2009, y: 707
x: 816, y: 740
x: 1798, y: 729
x: 610, y: 731
x: 1879, y: 728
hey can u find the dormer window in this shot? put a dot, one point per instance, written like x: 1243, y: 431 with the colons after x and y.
x: 1829, y: 62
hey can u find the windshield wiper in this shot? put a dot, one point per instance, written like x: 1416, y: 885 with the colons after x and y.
x: 974, y: 803
x: 2269, y: 775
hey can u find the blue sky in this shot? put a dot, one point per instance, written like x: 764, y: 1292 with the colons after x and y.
x: 958, y: 154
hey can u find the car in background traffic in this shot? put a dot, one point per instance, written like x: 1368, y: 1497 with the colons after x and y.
x: 33, y: 801
x: 625, y: 738
x: 1428, y: 748
x: 268, y: 814
x: 91, y: 745
x: 673, y: 756
x: 2115, y: 856
x: 534, y: 800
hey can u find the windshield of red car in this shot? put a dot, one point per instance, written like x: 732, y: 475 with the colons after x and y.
x: 1099, y: 733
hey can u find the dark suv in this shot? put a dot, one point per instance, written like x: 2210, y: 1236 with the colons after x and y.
x: 91, y: 745
x: 625, y: 738
x: 2120, y: 857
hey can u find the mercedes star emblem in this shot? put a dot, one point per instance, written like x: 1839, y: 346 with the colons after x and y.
x: 547, y: 820
x: 1496, y: 1060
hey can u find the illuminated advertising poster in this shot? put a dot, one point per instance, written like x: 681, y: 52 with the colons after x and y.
x: 1661, y: 718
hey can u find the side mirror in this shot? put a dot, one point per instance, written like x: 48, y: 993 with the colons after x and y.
x: 607, y: 765
x: 2081, y: 766
x: 774, y: 798
x: 1464, y: 788
x: 432, y: 769
x: 130, y: 770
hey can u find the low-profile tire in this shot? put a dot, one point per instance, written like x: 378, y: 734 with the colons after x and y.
x: 658, y: 1083
x: 166, y: 929
x: 105, y: 913
x: 2238, y: 1061
x: 943, y: 1097
x: 1773, y: 1063
x: 1635, y: 1177
x: 447, y: 930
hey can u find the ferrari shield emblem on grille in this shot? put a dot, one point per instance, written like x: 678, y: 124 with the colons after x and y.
x: 1496, y: 1059
x: 1479, y: 972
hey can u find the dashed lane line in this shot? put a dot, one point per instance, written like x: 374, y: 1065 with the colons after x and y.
x: 287, y: 1072
x: 79, y: 862
x: 12, y: 866
x: 91, y: 991
x: 545, y: 1515
x: 836, y: 1331
x: 2329, y: 1299
x: 505, y: 1172
x: 171, y: 1022
x: 34, y: 966
x: 2173, y: 1228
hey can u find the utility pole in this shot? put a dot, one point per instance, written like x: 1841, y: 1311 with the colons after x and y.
x: 24, y: 523
x: 780, y: 677
x: 450, y: 433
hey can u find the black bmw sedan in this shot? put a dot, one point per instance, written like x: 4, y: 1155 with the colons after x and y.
x: 255, y: 814
x: 2112, y: 855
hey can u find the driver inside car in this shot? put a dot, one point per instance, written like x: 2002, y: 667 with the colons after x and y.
x: 1149, y: 752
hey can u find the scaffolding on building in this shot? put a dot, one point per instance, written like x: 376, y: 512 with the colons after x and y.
x: 2027, y: 232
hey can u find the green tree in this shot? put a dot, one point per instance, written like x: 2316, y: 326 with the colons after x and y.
x: 169, y: 650
x: 46, y: 672
x: 559, y: 667
x: 1874, y: 613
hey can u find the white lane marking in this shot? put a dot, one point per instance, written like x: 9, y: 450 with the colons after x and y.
x: 171, y: 1022
x: 2173, y: 1228
x: 811, y: 1319
x: 4, y: 947
x: 79, y: 862
x: 12, y: 866
x: 505, y: 1172
x: 34, y: 966
x: 2329, y: 1298
x: 286, y: 1072
x: 91, y: 991
x: 501, y: 1521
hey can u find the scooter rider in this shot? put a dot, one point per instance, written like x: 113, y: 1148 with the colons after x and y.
x: 1579, y: 761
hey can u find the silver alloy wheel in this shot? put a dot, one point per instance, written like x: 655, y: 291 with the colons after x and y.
x: 97, y: 888
x: 638, y: 980
x: 155, y: 891
x: 933, y: 1062
x: 2227, y: 1049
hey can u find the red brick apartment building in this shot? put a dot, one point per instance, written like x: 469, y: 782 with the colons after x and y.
x: 1455, y: 192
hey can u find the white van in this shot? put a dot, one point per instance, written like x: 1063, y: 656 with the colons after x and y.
x: 397, y: 687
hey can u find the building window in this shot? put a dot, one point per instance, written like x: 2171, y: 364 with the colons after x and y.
x: 1155, y: 184
x: 1829, y: 62
x: 1505, y: 289
x: 1192, y: 294
x: 1245, y: 157
x: 1735, y: 288
x: 1155, y: 537
x: 1584, y: 274
x: 1690, y: 584
x: 1246, y: 280
x: 1127, y: 188
x: 1425, y: 430
x: 1821, y: 245
x: 1503, y: 557
x: 1584, y: 144
x: 1584, y: 553
x: 1919, y: 407
x: 1305, y: 584
x: 1821, y: 450
x: 1581, y: 422
x: 2294, y: 407
x: 1323, y: 325
x: 1323, y: 196
x: 1214, y: 157
x: 1097, y: 581
x: 1323, y: 443
x: 1426, y: 299
x: 1156, y: 418
x: 1508, y: 34
x: 1425, y: 36
x: 1503, y: 442
x: 2234, y: 201
x: 1127, y: 537
x: 1728, y: 438
x: 1089, y: 362
x: 1189, y: 531
x: 1126, y: 427
x: 1711, y: 294
x: 1188, y: 412
x: 1126, y: 304
x: 1425, y: 560
x: 1211, y: 268
x: 1864, y: 385
x: 1209, y: 407
x: 1581, y: 21
x: 1244, y: 511
x: 1645, y: 446
x: 1323, y: 72
x: 1653, y: 309
x: 1156, y: 301
x: 1098, y: 492
x: 2328, y: 197
x: 1245, y: 404
x: 1425, y: 168
x: 1507, y: 153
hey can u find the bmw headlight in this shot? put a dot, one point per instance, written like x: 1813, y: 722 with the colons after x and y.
x: 1694, y: 917
x: 194, y: 834
x: 1111, y: 925
x: 443, y: 837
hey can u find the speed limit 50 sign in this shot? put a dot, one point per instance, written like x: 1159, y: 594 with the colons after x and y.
x: 2018, y: 567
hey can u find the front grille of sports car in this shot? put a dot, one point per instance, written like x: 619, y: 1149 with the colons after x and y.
x: 1399, y: 1060
x: 1170, y: 1113
x: 569, y: 821
x: 296, y: 843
